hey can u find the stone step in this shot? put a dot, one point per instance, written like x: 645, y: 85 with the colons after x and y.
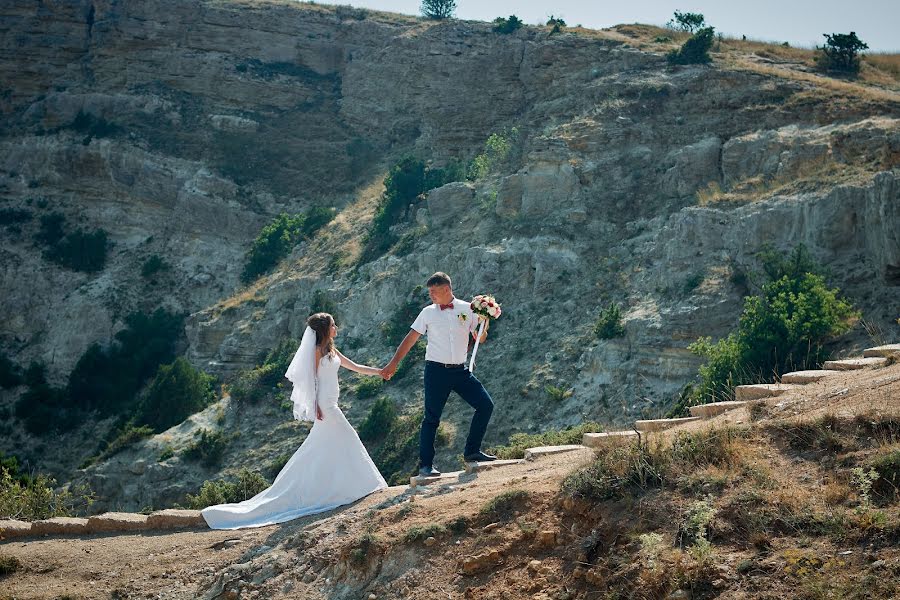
x: 11, y: 528
x: 801, y: 377
x: 649, y: 425
x: 416, y: 480
x: 853, y: 364
x: 882, y: 351
x: 608, y: 438
x: 60, y: 525
x: 759, y: 391
x: 533, y: 453
x: 116, y: 521
x: 173, y: 518
x: 705, y: 411
x: 474, y: 467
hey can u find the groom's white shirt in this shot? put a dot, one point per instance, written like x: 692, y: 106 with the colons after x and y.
x: 448, y: 331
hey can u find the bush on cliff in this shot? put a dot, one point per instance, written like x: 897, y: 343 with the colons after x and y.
x: 106, y: 380
x: 840, y: 53
x: 782, y: 328
x: 77, y: 250
x: 278, y: 238
x: 695, y: 51
x: 507, y: 26
x: 438, y: 9
x: 177, y: 391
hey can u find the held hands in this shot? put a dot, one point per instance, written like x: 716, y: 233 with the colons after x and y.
x: 388, y: 371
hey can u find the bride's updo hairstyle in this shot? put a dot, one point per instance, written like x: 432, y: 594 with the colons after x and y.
x: 321, y: 323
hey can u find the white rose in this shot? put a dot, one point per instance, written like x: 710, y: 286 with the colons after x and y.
x: 493, y: 311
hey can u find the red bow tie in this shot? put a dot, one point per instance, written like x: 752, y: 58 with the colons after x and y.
x: 446, y: 306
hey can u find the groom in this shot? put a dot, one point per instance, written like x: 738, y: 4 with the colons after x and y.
x: 448, y: 323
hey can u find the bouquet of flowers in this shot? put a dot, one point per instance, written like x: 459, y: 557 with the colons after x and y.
x: 487, y: 308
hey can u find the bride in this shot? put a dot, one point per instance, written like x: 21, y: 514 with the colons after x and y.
x: 331, y: 468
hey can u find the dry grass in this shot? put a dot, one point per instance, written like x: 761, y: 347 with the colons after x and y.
x: 816, y: 173
x: 343, y: 11
x: 821, y: 82
x: 886, y: 63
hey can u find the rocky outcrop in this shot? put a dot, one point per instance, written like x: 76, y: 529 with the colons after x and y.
x: 181, y: 128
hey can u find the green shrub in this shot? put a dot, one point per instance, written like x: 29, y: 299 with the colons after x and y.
x: 364, y: 546
x: 783, y: 328
x: 788, y: 324
x: 369, y: 387
x: 687, y: 21
x: 246, y: 485
x: 78, y: 250
x: 398, y: 452
x: 887, y: 484
x: 36, y: 499
x: 397, y: 327
x: 438, y: 9
x: 380, y: 420
x: 52, y: 229
x: 556, y: 22
x: 11, y: 464
x: 323, y: 303
x: 93, y: 126
x: 693, y: 282
x: 414, y: 357
x: 107, y: 380
x: 246, y: 387
x: 503, y: 505
x: 177, y: 391
x: 81, y: 251
x: 405, y: 183
x: 423, y: 532
x: 557, y: 393
x: 609, y: 323
x: 638, y: 468
x: 694, y: 51
x: 497, y: 153
x: 509, y: 25
x: 43, y: 408
x: 840, y: 53
x: 402, y: 186
x: 274, y: 467
x: 255, y: 384
x: 154, y: 265
x: 208, y: 447
x: 9, y: 565
x: 519, y: 442
x: 14, y: 216
x: 10, y: 373
x: 724, y: 369
x: 278, y: 238
x: 127, y: 436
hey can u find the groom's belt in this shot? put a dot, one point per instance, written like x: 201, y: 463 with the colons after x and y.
x: 446, y: 365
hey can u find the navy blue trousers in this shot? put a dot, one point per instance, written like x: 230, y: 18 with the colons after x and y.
x: 439, y: 382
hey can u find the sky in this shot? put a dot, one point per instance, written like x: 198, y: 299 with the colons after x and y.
x: 799, y: 22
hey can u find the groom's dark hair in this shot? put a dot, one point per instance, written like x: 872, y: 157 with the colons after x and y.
x: 438, y: 278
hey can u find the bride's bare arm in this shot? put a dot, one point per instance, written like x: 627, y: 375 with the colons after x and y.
x: 319, y: 414
x: 349, y: 364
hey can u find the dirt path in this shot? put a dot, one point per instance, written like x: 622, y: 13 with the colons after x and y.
x: 381, y: 545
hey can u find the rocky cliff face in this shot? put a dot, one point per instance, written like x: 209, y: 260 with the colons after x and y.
x: 182, y: 127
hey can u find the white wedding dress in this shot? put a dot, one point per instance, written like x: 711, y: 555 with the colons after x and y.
x: 331, y: 468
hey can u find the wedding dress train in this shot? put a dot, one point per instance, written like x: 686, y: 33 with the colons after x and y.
x: 331, y: 468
